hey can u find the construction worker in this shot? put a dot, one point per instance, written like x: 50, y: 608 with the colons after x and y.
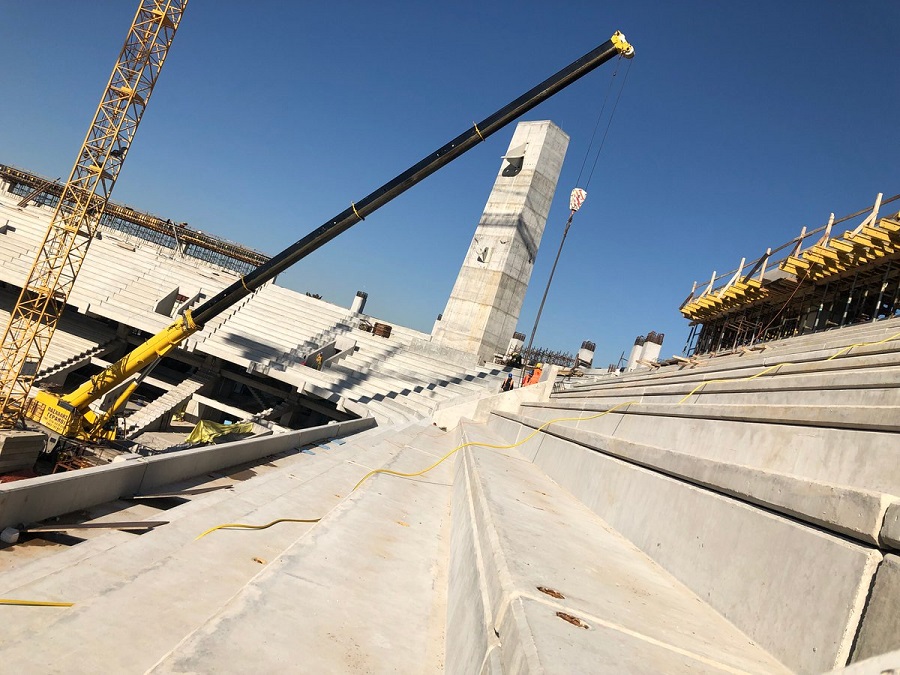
x: 507, y: 383
x: 319, y: 361
x: 535, y: 375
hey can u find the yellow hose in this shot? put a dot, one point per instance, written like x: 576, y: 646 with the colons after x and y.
x: 241, y: 526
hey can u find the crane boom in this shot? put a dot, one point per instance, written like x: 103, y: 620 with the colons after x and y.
x: 69, y: 415
x: 85, y: 194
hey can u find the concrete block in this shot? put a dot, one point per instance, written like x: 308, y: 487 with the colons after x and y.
x: 470, y: 636
x: 863, y: 459
x: 761, y: 571
x: 890, y: 531
x: 20, y: 449
x: 880, y: 628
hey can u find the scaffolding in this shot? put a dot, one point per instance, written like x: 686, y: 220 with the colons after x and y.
x: 813, y: 282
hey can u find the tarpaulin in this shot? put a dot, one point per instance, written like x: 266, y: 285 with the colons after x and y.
x: 206, y: 431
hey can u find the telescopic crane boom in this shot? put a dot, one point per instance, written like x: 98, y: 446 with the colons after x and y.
x: 85, y: 194
x: 70, y: 415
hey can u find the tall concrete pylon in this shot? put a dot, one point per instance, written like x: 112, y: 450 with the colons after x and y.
x: 483, y: 309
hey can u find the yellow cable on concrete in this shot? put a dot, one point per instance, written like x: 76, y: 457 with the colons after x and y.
x: 34, y: 603
x: 843, y: 350
x: 527, y: 438
x: 489, y: 445
x: 423, y: 471
x: 740, y: 379
x: 242, y: 526
x: 863, y: 344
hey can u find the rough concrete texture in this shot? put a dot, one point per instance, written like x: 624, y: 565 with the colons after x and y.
x: 19, y: 449
x: 862, y: 459
x: 761, y: 571
x: 856, y: 513
x: 530, y: 533
x: 890, y: 532
x: 368, y: 590
x: 880, y: 630
x: 484, y: 305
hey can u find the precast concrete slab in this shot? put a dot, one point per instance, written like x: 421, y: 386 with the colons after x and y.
x: 364, y: 591
x: 761, y: 571
x: 561, y: 591
x: 842, y: 509
x: 178, y: 583
x: 880, y: 629
x: 857, y: 458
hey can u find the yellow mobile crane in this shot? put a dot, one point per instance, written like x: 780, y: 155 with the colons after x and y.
x: 83, y: 199
x: 70, y: 416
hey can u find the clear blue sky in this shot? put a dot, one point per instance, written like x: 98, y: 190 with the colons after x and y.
x: 738, y: 124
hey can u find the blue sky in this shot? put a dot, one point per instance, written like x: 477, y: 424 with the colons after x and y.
x: 739, y: 123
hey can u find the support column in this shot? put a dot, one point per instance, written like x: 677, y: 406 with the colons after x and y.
x: 484, y: 306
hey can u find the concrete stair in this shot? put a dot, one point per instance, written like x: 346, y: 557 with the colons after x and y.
x: 533, y: 569
x: 141, y: 419
x: 774, y: 497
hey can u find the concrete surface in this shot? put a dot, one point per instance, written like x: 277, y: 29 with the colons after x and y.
x: 761, y: 571
x: 363, y: 591
x: 639, y: 618
x: 846, y: 510
x: 880, y: 629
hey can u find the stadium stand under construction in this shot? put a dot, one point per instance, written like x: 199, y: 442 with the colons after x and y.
x: 385, y: 507
x: 818, y: 281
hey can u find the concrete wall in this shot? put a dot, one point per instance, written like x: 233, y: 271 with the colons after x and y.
x: 35, y: 499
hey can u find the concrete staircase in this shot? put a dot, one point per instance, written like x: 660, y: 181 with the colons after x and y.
x: 765, y: 482
x: 141, y: 419
x: 621, y: 527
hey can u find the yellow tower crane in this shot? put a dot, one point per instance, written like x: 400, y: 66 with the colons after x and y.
x: 84, y: 197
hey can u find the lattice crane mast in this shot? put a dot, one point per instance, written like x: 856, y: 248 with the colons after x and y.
x: 83, y: 199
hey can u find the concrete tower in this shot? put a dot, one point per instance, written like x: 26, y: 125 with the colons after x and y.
x: 483, y: 309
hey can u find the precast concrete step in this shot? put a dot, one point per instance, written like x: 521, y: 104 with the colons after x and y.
x: 788, y: 384
x: 763, y: 572
x: 862, y: 459
x: 540, y: 583
x: 843, y: 509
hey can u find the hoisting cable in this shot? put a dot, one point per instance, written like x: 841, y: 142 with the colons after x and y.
x: 609, y: 123
x: 577, y: 198
x: 587, y: 152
